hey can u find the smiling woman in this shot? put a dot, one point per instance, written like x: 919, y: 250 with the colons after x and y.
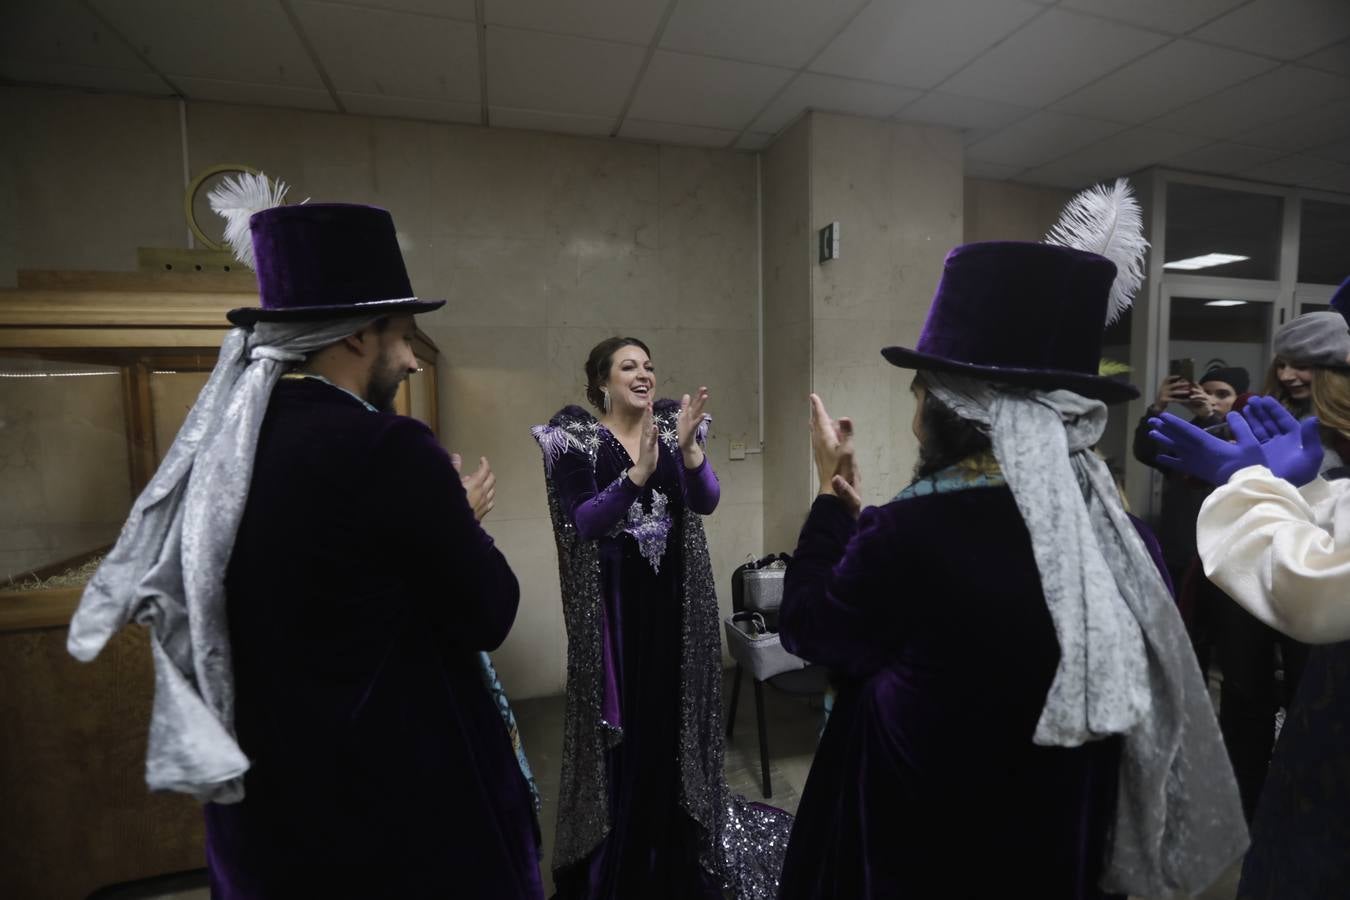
x: 644, y: 809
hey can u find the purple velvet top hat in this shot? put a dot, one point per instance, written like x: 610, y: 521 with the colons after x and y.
x: 1023, y: 314
x: 1340, y: 301
x: 327, y: 260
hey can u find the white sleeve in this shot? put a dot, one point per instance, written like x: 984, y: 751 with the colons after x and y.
x: 1274, y: 550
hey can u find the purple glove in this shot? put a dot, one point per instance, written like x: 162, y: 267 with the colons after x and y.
x: 1268, y: 436
x: 1197, y: 453
x: 1293, y: 449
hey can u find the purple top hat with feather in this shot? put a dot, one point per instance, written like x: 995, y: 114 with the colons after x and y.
x: 1033, y: 314
x: 1340, y: 301
x: 314, y: 260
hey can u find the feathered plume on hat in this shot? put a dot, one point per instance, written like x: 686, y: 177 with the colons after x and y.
x: 1107, y: 221
x: 236, y: 199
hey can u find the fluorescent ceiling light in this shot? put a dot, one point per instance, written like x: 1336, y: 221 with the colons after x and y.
x: 1204, y: 262
x: 1226, y: 303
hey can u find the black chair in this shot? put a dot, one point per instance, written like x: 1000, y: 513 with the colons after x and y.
x: 752, y: 638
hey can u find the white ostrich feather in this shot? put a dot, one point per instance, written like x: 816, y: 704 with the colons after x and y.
x: 236, y: 199
x: 1107, y: 221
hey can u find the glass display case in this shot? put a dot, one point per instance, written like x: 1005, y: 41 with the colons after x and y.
x: 97, y: 372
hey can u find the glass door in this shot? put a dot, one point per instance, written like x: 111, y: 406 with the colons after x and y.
x: 1219, y: 324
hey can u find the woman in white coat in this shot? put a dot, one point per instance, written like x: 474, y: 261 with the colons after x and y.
x: 1275, y: 536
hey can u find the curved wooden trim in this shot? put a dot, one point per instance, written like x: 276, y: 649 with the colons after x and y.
x: 30, y: 610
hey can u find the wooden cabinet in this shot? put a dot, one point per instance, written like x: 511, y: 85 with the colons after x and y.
x: 97, y: 372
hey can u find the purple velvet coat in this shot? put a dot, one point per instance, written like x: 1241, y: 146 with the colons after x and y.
x: 926, y: 783
x: 360, y: 592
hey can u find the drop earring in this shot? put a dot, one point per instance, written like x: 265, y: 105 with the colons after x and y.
x: 606, y: 403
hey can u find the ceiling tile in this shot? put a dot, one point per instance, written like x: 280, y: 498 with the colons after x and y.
x: 60, y: 32
x: 698, y: 90
x: 967, y: 114
x: 445, y: 9
x: 1339, y: 151
x: 760, y: 31
x: 992, y: 171
x: 631, y: 21
x: 99, y: 78
x: 665, y: 133
x: 1294, y: 169
x: 1332, y: 59
x: 1056, y: 175
x: 918, y: 43
x: 1129, y: 151
x: 373, y: 51
x: 411, y: 108
x: 1054, y: 55
x: 1223, y: 158
x: 255, y: 94
x: 1165, y: 15
x: 754, y: 140
x: 825, y: 92
x: 553, y: 73
x: 1040, y: 138
x: 1266, y: 98
x: 1337, y: 179
x: 1303, y: 131
x: 249, y: 41
x: 1286, y: 29
x: 1169, y: 77
x: 534, y: 120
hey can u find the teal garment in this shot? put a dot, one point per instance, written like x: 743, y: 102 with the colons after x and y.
x: 498, y: 693
x: 952, y: 478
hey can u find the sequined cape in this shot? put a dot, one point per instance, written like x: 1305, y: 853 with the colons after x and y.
x: 744, y: 841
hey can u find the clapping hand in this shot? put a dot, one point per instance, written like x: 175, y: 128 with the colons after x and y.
x: 649, y: 449
x: 481, y: 486
x: 832, y: 447
x: 1293, y: 449
x: 1266, y: 435
x: 686, y: 427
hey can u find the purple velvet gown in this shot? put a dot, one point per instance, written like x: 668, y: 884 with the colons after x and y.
x: 360, y: 593
x: 652, y: 847
x: 926, y: 783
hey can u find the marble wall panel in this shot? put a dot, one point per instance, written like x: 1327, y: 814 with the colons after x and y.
x: 896, y: 189
x: 1003, y: 211
x: 789, y: 248
x: 542, y: 244
x: 92, y: 179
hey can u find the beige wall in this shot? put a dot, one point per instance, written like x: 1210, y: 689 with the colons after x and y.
x: 543, y: 244
x: 1003, y: 211
x: 896, y: 191
x: 789, y: 247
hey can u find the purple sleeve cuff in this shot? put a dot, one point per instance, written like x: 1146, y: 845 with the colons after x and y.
x: 702, y: 490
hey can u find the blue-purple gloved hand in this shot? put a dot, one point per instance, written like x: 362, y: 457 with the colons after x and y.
x: 1267, y: 435
x: 1293, y: 449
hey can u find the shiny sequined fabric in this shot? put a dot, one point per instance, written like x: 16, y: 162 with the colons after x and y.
x: 650, y: 528
x: 743, y: 842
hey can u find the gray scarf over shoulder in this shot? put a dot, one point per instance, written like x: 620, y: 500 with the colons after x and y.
x: 167, y: 569
x: 1126, y: 666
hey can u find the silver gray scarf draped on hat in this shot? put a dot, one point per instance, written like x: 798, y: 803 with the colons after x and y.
x: 1126, y: 666
x: 167, y: 569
